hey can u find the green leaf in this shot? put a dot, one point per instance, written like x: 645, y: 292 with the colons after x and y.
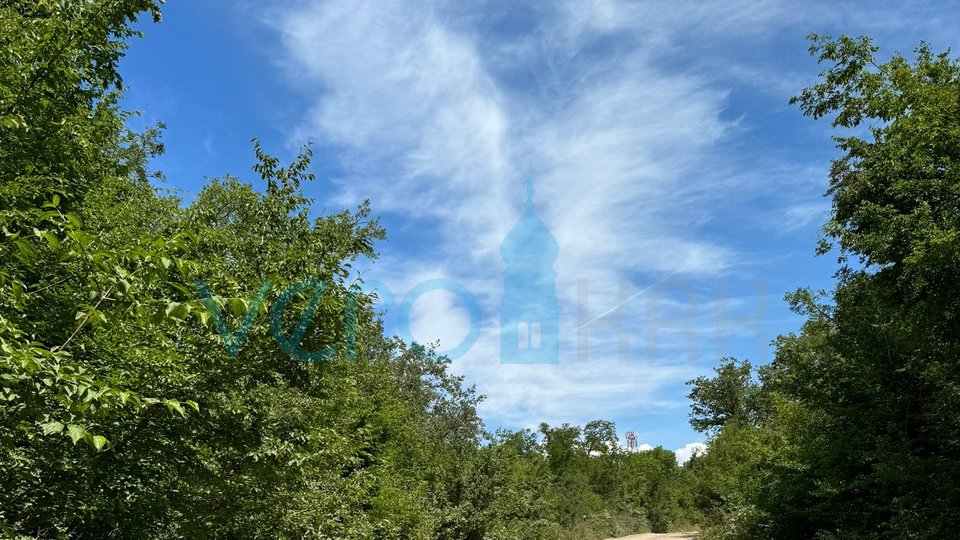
x: 182, y: 289
x: 238, y: 306
x: 50, y: 428
x: 74, y: 220
x: 75, y: 432
x: 174, y: 406
x: 51, y: 239
x: 171, y: 307
x: 28, y: 253
x: 96, y: 441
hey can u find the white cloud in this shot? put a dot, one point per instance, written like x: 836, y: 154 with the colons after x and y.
x: 689, y: 450
x: 802, y: 215
x: 410, y: 101
x: 613, y: 107
x: 618, y: 146
x: 683, y: 454
x: 642, y: 447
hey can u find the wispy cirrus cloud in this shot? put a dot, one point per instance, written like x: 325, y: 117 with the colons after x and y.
x: 620, y: 148
x: 621, y: 112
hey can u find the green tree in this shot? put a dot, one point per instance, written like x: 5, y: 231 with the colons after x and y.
x: 862, y: 423
x: 600, y: 436
x: 732, y: 395
x: 895, y: 323
x: 122, y: 411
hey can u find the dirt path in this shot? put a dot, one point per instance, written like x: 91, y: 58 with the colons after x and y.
x: 658, y: 536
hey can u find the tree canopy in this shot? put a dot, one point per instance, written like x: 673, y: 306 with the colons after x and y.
x: 860, y: 436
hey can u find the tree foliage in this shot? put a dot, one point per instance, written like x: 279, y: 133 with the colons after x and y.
x: 862, y: 437
x: 731, y: 396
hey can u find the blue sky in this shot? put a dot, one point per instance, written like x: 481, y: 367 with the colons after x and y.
x: 666, y: 160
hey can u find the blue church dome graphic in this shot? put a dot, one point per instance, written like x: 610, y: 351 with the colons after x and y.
x: 529, y: 312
